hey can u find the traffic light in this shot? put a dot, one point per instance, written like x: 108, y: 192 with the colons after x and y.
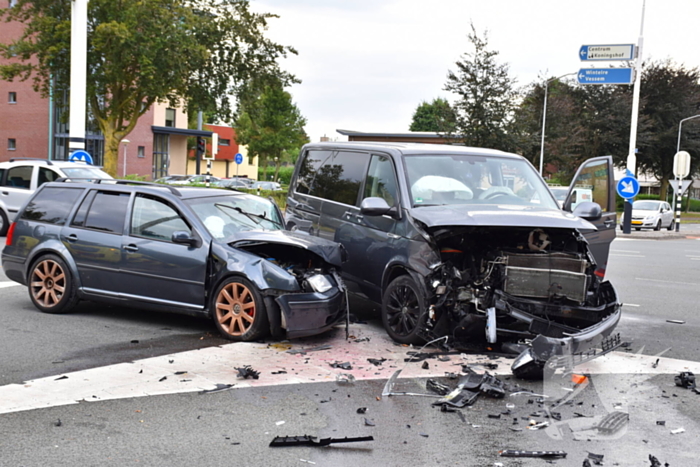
x: 201, y: 146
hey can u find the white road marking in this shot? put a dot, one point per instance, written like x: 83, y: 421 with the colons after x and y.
x: 665, y: 282
x: 628, y: 256
x: 4, y: 285
x: 205, y: 368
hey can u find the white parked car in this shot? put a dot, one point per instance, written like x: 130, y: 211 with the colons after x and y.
x: 20, y: 177
x: 650, y: 214
x: 192, y: 180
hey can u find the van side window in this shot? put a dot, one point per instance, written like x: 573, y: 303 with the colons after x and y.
x: 340, y: 177
x: 308, y: 170
x: 381, y: 180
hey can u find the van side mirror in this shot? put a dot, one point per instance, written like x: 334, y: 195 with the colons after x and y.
x: 374, y: 207
x: 588, y: 210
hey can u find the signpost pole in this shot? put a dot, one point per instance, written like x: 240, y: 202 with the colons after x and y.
x: 627, y: 223
x: 679, y: 198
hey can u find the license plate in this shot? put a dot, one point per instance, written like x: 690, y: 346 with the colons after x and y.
x: 636, y: 222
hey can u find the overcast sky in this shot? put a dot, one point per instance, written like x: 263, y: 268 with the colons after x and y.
x: 365, y: 65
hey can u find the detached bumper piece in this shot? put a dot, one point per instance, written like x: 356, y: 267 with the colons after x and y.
x: 287, y: 441
x: 306, y: 314
x: 541, y: 454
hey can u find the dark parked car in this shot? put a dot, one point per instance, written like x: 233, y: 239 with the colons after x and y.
x: 213, y: 253
x: 467, y: 243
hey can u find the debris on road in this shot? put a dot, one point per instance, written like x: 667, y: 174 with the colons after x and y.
x: 287, y: 441
x: 596, y: 458
x: 312, y: 349
x: 341, y: 365
x: 437, y: 387
x: 376, y: 361
x: 58, y: 422
x: 369, y: 422
x: 675, y: 321
x: 362, y: 410
x: 344, y: 378
x: 246, y: 372
x: 678, y: 431
x: 685, y: 379
x: 541, y: 454
x: 219, y: 387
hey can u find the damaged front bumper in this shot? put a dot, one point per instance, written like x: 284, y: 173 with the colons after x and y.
x: 557, y: 346
x: 307, y: 314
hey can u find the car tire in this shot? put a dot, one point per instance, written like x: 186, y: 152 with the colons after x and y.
x: 51, y: 286
x: 238, y: 310
x: 403, y: 309
x: 637, y: 229
x: 672, y: 225
x: 4, y: 223
x: 658, y: 226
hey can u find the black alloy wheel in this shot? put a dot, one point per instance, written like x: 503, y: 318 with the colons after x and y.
x: 403, y: 310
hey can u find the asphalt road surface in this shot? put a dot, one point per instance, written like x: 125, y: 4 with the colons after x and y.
x: 101, y: 370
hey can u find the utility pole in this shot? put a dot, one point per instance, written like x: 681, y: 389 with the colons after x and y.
x: 78, y: 72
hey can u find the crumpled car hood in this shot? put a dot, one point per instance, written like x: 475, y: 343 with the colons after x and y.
x: 498, y: 216
x: 331, y: 252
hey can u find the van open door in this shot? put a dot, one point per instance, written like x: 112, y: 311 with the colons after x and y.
x: 595, y: 180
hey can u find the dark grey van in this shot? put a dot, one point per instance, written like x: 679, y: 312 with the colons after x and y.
x: 467, y: 243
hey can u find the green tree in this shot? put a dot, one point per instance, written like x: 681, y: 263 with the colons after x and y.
x: 197, y: 53
x: 486, y: 96
x: 669, y: 93
x: 272, y: 126
x: 437, y: 116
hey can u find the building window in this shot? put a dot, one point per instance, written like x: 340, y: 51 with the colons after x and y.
x: 142, y: 151
x: 11, y: 144
x: 12, y: 97
x: 224, y: 142
x: 170, y: 117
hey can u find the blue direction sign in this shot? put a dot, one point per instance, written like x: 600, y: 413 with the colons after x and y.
x: 81, y: 156
x: 239, y: 158
x: 605, y: 76
x: 628, y: 187
x: 606, y: 53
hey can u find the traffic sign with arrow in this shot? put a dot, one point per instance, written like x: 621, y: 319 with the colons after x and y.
x: 605, y: 76
x: 606, y: 53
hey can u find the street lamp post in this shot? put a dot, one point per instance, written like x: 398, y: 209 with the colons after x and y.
x: 125, y: 142
x: 544, y: 117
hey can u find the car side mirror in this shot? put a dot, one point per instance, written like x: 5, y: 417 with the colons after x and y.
x: 374, y: 207
x: 588, y: 210
x: 185, y: 238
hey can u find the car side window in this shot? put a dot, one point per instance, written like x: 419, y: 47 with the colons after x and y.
x: 46, y: 175
x: 52, y: 205
x: 153, y: 218
x: 19, y: 177
x: 306, y: 180
x: 106, y: 212
x: 381, y: 180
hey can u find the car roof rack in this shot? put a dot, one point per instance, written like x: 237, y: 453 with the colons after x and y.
x: 99, y: 181
x: 15, y: 159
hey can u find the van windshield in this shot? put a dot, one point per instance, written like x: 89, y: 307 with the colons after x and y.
x: 467, y: 179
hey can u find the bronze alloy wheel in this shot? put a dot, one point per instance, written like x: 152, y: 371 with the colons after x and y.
x: 48, y: 283
x: 235, y: 308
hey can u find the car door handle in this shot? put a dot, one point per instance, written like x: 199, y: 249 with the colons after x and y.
x: 131, y: 247
x: 72, y: 238
x: 608, y: 222
x: 5, y: 193
x: 392, y: 235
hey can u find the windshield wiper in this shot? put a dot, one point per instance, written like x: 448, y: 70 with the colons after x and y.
x: 249, y: 215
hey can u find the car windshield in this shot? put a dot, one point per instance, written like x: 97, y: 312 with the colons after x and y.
x: 223, y: 216
x: 646, y: 205
x: 92, y: 173
x: 467, y: 179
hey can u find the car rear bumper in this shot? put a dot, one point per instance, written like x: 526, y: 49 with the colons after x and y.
x: 14, y: 267
x: 307, y: 314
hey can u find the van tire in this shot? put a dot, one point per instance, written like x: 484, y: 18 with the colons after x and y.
x: 403, y: 310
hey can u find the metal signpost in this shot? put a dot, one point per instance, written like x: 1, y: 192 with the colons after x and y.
x: 208, y: 158
x: 627, y: 188
x: 239, y: 161
x: 681, y: 169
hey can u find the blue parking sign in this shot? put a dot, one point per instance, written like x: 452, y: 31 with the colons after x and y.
x: 81, y: 156
x: 239, y: 158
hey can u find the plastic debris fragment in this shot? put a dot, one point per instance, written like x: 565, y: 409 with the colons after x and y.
x: 678, y: 431
x: 344, y: 378
x: 376, y: 361
x: 219, y: 387
x: 246, y: 372
x: 437, y: 387
x: 286, y: 441
x: 341, y: 365
x: 542, y: 454
x: 685, y: 379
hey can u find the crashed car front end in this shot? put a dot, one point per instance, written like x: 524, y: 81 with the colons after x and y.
x: 299, y: 277
x: 534, y: 291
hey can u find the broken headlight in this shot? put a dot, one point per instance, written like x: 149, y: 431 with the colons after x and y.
x: 319, y: 283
